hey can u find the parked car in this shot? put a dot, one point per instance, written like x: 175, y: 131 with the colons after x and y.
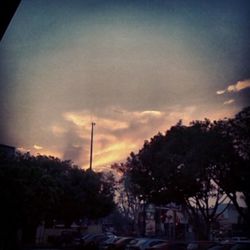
x: 169, y: 246
x: 94, y: 243
x: 200, y: 245
x: 120, y: 244
x: 143, y: 243
x: 92, y: 240
x: 105, y: 245
x: 86, y: 241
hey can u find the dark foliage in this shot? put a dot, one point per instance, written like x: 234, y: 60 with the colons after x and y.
x: 193, y: 164
x: 43, y: 188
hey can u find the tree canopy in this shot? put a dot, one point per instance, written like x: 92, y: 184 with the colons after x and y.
x: 196, y: 165
x: 44, y: 188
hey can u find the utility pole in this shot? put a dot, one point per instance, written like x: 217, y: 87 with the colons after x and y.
x: 91, y: 146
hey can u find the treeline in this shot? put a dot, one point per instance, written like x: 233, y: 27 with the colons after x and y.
x: 199, y: 166
x: 35, y: 189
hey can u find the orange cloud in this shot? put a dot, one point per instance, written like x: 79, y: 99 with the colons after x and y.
x: 240, y: 85
x: 84, y: 119
x: 23, y: 149
x: 45, y: 151
x: 116, y: 135
x: 58, y: 130
x: 113, y: 153
x: 37, y: 147
x: 119, y: 131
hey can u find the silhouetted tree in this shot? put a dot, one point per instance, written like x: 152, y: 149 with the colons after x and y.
x: 128, y: 201
x: 44, y: 188
x: 195, y: 165
x: 234, y: 175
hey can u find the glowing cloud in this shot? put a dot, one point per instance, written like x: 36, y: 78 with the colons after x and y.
x: 121, y: 131
x: 186, y: 114
x: 84, y: 119
x: 228, y: 102
x: 37, y: 147
x: 54, y: 153
x: 23, y: 149
x: 118, y: 132
x: 240, y: 85
x: 152, y: 113
x: 113, y: 153
x: 220, y: 92
x: 115, y: 136
x: 58, y: 130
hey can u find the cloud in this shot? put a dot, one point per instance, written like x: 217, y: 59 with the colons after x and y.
x: 23, y: 149
x: 228, y: 102
x: 220, y: 92
x: 51, y: 152
x: 118, y: 132
x: 240, y: 85
x: 151, y: 113
x: 114, y: 153
x: 186, y: 114
x: 58, y: 130
x: 84, y: 119
x: 37, y: 147
x: 73, y: 152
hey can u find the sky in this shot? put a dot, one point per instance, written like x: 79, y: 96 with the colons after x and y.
x: 135, y: 68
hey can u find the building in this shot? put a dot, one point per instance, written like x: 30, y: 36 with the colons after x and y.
x: 169, y: 221
x: 229, y: 222
x: 172, y: 222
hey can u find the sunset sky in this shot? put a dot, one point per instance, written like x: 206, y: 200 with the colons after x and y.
x: 133, y: 67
